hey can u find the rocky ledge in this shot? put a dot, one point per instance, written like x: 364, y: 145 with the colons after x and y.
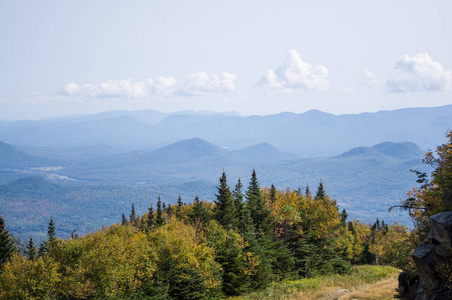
x: 433, y: 260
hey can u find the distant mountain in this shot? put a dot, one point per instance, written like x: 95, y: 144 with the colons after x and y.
x: 184, y: 159
x: 262, y: 153
x: 402, y: 150
x: 186, y: 151
x: 310, y: 134
x: 11, y: 158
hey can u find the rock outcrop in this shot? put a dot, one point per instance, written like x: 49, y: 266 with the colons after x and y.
x: 433, y: 261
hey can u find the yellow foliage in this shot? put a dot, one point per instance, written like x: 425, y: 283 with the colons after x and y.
x: 187, y: 250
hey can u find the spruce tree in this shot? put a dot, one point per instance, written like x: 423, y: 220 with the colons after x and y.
x: 259, y: 212
x: 31, y: 250
x: 124, y: 220
x: 42, y: 250
x: 179, y: 208
x: 169, y: 211
x: 6, y: 244
x: 224, y: 210
x: 199, y: 214
x: 320, y: 195
x: 239, y: 205
x: 150, y: 223
x: 160, y: 220
x: 51, y: 233
x: 308, y: 192
x: 272, y: 194
x: 343, y: 215
x: 133, y: 216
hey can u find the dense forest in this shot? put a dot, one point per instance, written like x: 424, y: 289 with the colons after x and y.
x: 243, y: 241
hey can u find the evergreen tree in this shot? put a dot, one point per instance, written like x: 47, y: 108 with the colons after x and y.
x: 133, y: 216
x: 124, y: 220
x: 159, y: 221
x: 199, y: 215
x: 272, y: 194
x: 31, y: 250
x: 224, y: 210
x: 343, y: 215
x: 6, y: 244
x: 320, y: 195
x: 308, y: 192
x: 259, y: 212
x: 150, y: 223
x: 51, y: 233
x: 42, y: 250
x: 45, y: 246
x: 179, y: 208
x: 169, y: 211
x: 239, y: 205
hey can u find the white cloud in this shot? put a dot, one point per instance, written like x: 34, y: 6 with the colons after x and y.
x: 370, y: 78
x: 70, y: 88
x: 348, y: 90
x: 196, y: 84
x: 426, y: 74
x: 296, y: 74
x: 162, y: 86
x: 201, y: 83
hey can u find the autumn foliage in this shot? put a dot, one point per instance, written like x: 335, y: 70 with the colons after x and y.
x: 240, y: 243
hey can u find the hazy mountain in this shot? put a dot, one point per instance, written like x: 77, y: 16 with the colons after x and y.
x: 310, y: 134
x: 12, y: 158
x: 365, y: 181
x: 403, y: 150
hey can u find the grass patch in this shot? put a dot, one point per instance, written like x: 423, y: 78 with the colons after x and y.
x: 370, y: 281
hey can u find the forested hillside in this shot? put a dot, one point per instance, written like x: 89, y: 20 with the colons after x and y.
x: 248, y: 238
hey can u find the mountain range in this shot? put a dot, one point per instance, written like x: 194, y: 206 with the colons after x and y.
x: 89, y: 194
x: 309, y: 134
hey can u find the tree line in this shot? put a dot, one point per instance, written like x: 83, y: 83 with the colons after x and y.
x: 241, y: 242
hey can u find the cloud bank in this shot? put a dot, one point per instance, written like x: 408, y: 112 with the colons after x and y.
x: 425, y: 75
x: 196, y: 84
x: 296, y: 74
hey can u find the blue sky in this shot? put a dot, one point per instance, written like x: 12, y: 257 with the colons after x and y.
x: 253, y: 57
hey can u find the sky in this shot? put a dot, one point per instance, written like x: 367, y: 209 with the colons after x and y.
x: 253, y: 57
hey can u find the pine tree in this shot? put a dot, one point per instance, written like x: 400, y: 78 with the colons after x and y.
x: 46, y: 246
x: 133, y: 216
x: 6, y: 244
x: 159, y: 221
x: 320, y: 192
x: 308, y: 192
x: 259, y: 212
x: 150, y: 223
x: 169, y: 211
x: 224, y: 210
x: 51, y: 233
x: 272, y: 194
x: 238, y: 203
x: 179, y: 208
x: 31, y: 250
x: 199, y: 215
x: 343, y: 215
x: 42, y: 250
x: 124, y: 220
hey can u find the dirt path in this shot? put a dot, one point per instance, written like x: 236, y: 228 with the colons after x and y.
x: 381, y: 290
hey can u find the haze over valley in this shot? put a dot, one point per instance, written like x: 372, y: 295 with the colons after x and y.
x: 108, y: 161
